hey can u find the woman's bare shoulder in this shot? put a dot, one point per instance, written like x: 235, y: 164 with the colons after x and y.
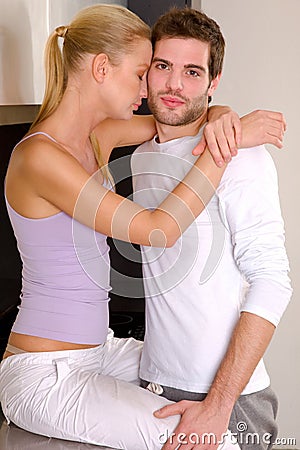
x: 40, y: 154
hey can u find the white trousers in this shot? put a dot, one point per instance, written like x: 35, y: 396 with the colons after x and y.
x: 89, y: 396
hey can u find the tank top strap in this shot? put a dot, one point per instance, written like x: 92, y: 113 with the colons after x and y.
x: 35, y: 134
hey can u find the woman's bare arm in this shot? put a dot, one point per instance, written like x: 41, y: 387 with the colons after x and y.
x: 46, y: 175
x: 119, y: 133
x: 223, y: 134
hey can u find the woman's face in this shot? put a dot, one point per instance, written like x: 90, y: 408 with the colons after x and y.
x: 129, y: 82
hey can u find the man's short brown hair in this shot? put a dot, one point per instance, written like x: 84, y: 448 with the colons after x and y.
x: 188, y: 23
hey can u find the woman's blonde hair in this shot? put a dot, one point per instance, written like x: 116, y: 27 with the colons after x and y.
x: 109, y: 29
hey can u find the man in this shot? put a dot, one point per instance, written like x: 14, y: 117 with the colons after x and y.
x: 214, y: 299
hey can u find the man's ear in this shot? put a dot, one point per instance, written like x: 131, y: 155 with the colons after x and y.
x: 213, y: 85
x: 100, y: 66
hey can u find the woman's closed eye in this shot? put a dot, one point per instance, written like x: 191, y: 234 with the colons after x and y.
x: 142, y: 76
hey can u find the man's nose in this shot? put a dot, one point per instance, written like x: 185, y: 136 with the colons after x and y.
x: 174, y: 81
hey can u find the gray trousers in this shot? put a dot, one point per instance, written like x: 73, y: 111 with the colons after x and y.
x: 253, y: 419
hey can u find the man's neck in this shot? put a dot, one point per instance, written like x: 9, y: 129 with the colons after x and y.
x: 169, y: 132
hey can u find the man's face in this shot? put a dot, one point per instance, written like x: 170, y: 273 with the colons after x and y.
x: 178, y: 81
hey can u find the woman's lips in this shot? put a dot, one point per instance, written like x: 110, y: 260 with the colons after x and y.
x: 136, y: 106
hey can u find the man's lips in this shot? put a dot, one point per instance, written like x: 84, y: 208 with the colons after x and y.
x: 171, y: 102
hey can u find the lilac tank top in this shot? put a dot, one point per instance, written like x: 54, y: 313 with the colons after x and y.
x: 65, y: 279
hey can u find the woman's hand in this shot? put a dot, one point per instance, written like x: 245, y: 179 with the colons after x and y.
x: 222, y: 134
x: 225, y: 132
x: 263, y: 127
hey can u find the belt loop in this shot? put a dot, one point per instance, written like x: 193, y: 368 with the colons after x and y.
x: 62, y: 368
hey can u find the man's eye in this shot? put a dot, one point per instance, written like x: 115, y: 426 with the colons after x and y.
x: 193, y: 73
x: 162, y: 66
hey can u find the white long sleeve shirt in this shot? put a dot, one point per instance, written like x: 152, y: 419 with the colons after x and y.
x: 231, y: 259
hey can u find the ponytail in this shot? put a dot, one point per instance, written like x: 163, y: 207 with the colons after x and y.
x: 55, y: 76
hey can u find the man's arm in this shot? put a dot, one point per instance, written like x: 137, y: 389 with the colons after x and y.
x: 253, y: 215
x: 248, y: 344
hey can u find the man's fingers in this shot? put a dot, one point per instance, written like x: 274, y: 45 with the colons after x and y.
x: 169, y: 410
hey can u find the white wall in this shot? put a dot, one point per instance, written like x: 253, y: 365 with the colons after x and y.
x: 262, y: 67
x: 24, y: 28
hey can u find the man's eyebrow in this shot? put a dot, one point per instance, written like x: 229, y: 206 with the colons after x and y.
x: 155, y: 59
x: 186, y: 66
x: 195, y: 66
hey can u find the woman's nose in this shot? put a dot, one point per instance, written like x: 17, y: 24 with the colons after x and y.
x: 144, y: 88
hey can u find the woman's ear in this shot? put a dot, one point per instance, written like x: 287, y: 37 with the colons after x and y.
x: 100, y: 66
x: 214, y: 84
